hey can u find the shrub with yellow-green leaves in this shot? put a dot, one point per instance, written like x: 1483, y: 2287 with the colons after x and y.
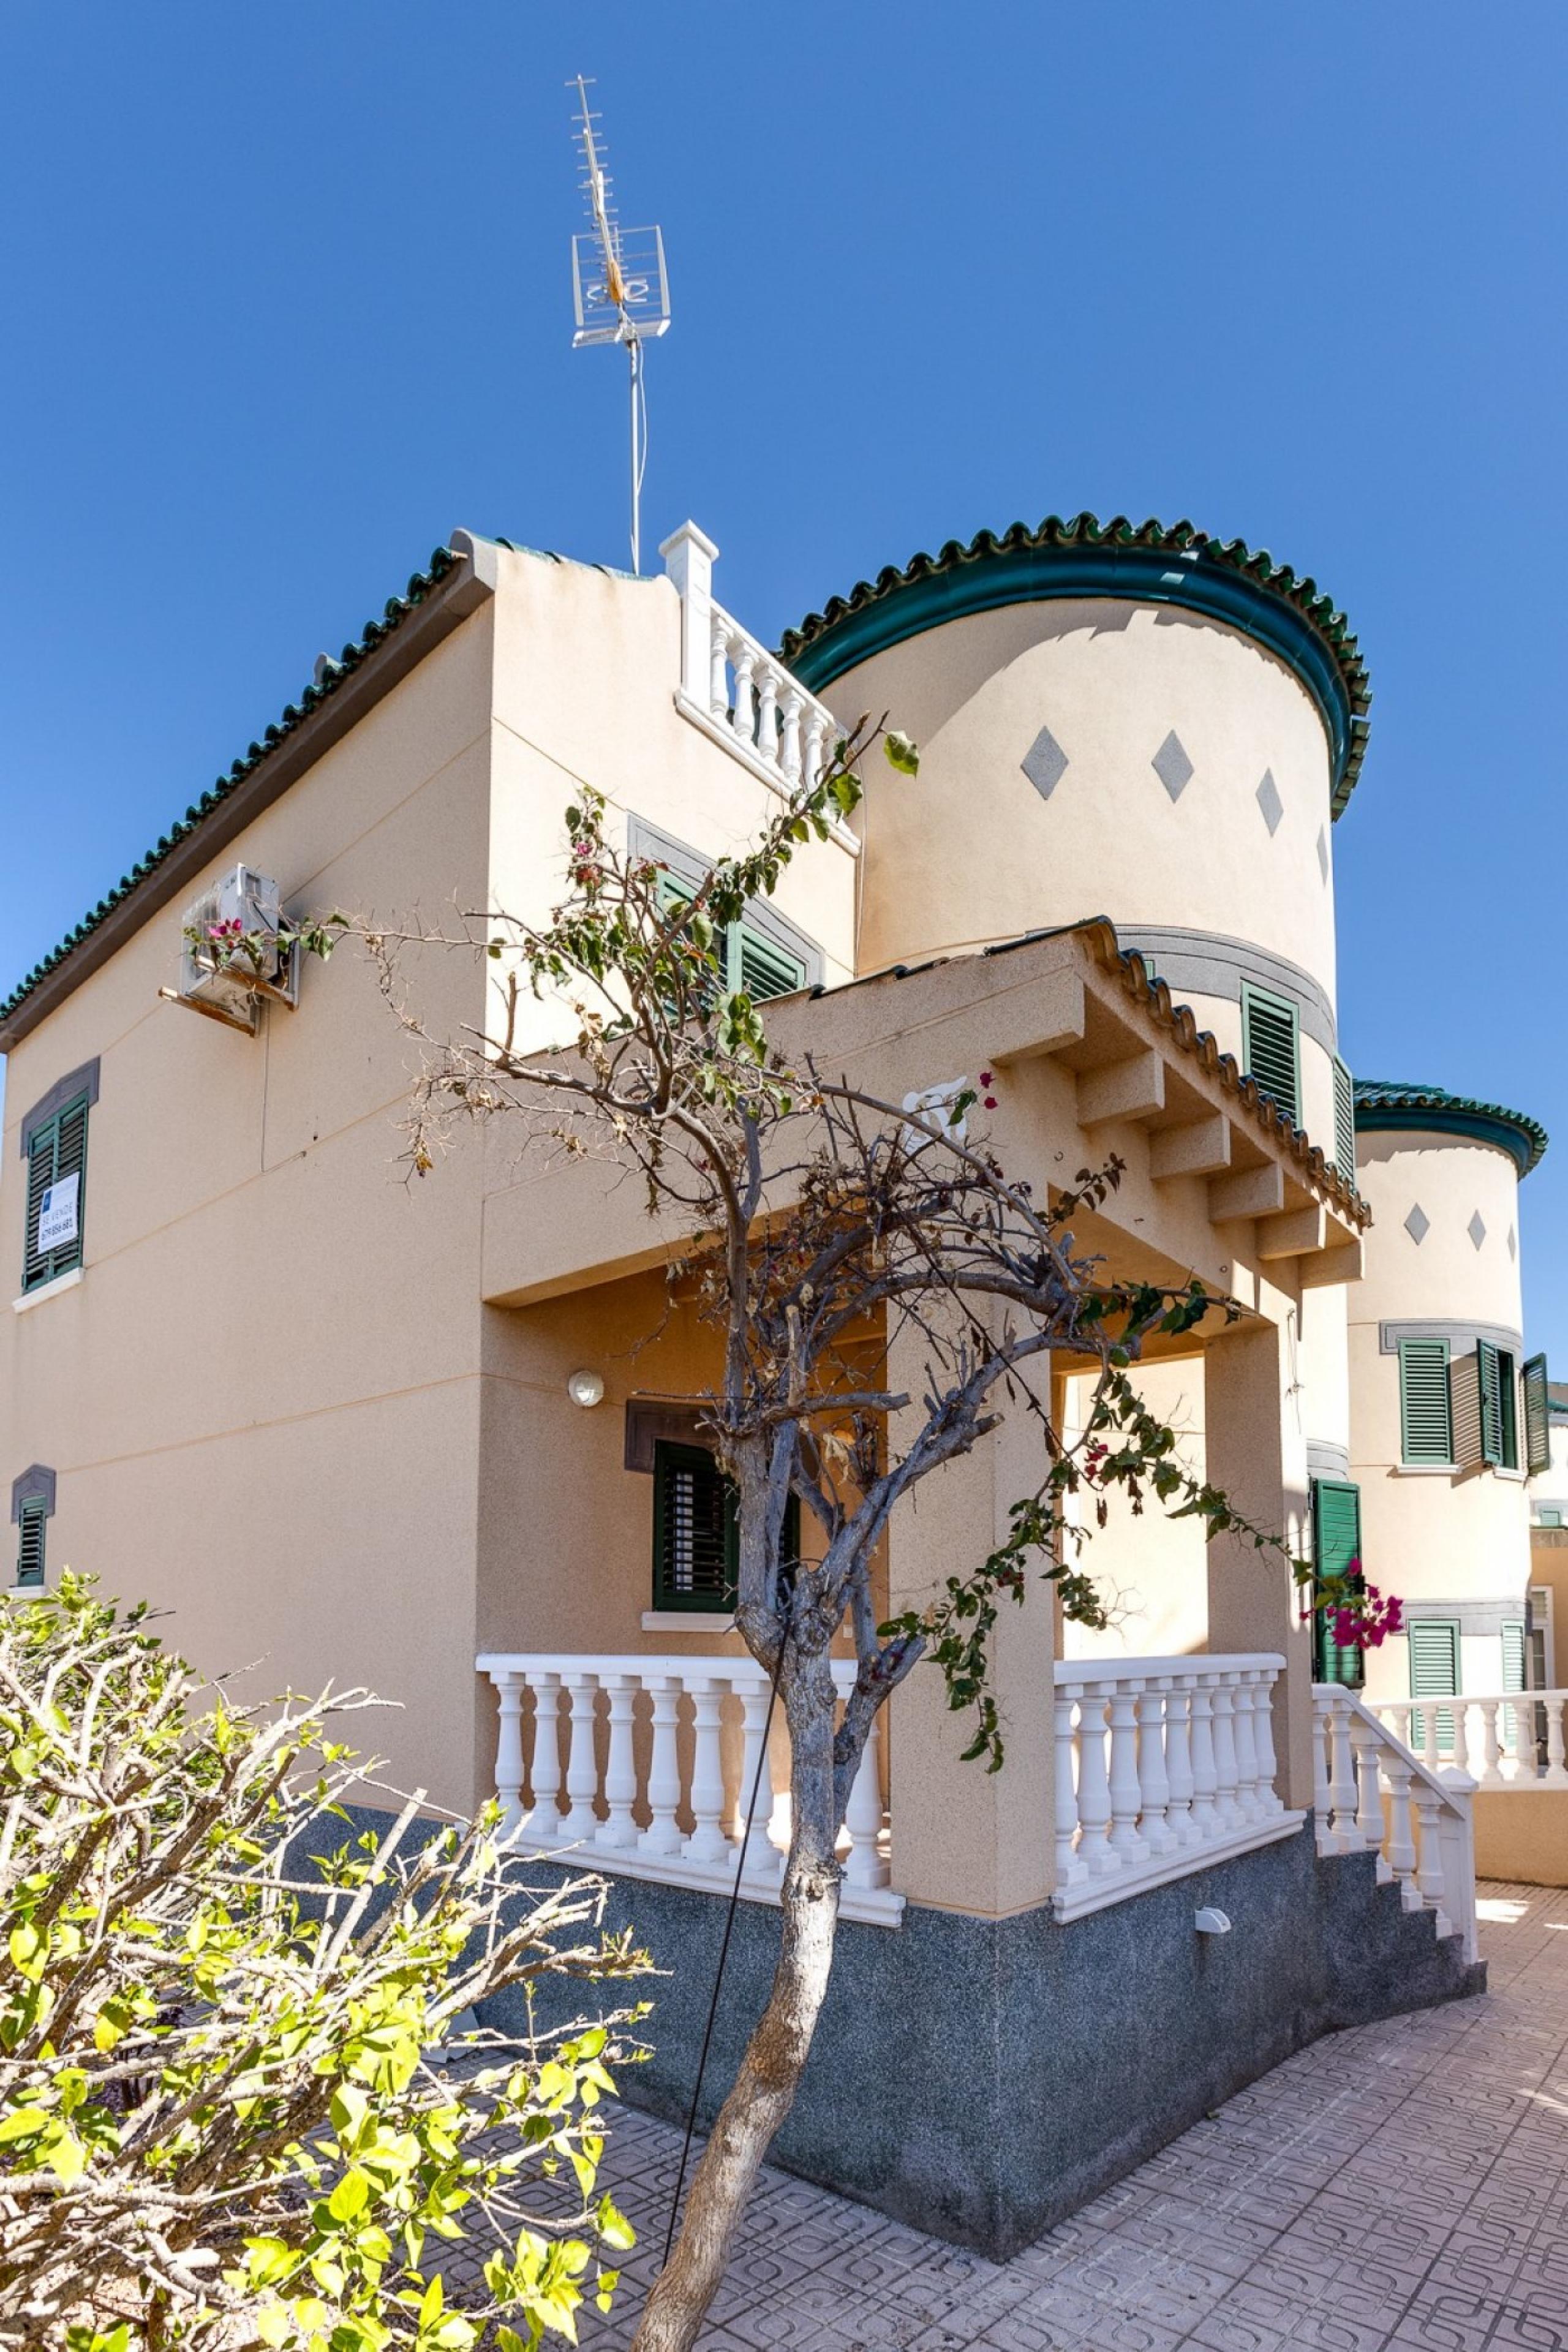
x: 242, y: 2099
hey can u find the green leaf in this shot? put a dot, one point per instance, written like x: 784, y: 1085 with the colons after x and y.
x: 901, y: 753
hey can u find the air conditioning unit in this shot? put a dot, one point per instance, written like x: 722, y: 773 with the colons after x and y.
x: 233, y: 957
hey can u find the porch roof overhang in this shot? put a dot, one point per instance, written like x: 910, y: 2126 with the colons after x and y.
x: 1093, y: 1059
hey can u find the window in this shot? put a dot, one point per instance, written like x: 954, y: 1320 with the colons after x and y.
x: 1336, y: 1548
x: 1271, y: 1044
x: 56, y: 1180
x: 696, y: 1532
x: 751, y: 959
x: 31, y: 1517
x: 1425, y: 1415
x: 1498, y: 1413
x: 1537, y: 1416
x: 1434, y: 1674
x: 1344, y: 1121
x: 1549, y: 1515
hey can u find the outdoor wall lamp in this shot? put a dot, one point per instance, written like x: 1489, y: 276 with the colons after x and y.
x: 586, y: 1388
x: 1210, y: 1922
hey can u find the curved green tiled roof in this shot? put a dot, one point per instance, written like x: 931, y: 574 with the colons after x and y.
x: 330, y: 677
x: 1386, y: 1103
x: 1150, y: 562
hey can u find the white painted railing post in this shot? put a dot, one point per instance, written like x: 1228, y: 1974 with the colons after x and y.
x: 1206, y: 1781
x: 1322, y: 1802
x: 618, y: 1829
x: 509, y: 1752
x: 1093, y: 1787
x: 1556, y: 1774
x: 744, y: 660
x: 581, y: 1765
x: 1401, y: 1838
x: 1154, y: 1782
x: 689, y: 556
x: 707, y: 1842
x: 1225, y: 1799
x: 759, y: 1854
x: 1456, y: 1828
x: 1369, y: 1803
x: 1247, y: 1795
x: 1068, y: 1866
x: 1429, y: 1805
x: 544, y: 1773
x: 1343, y: 1794
x: 863, y: 1817
x: 1179, y: 1765
x: 1491, y: 1753
x: 662, y: 1835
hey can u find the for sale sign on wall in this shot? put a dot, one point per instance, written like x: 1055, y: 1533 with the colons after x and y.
x: 56, y: 1213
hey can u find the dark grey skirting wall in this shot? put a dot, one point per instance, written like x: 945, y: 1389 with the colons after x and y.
x: 982, y: 2079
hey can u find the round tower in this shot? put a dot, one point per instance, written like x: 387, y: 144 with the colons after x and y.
x: 1441, y: 1407
x: 1133, y: 721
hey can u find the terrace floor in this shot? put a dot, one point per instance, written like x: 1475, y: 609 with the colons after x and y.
x: 1403, y: 2185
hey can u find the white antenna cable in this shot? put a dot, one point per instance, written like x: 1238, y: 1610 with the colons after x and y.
x: 619, y: 289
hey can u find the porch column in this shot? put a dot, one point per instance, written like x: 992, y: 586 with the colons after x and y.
x: 964, y: 1838
x: 1256, y: 1454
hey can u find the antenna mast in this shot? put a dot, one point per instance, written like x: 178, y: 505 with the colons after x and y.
x: 619, y: 289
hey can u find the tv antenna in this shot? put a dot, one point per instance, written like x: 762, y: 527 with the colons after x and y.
x: 619, y: 289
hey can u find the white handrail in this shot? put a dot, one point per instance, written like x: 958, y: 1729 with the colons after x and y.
x: 1509, y: 1740
x: 1375, y: 1795
x: 646, y: 1766
x: 1163, y: 1766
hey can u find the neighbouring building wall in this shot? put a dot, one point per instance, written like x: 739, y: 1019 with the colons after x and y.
x: 1441, y: 1264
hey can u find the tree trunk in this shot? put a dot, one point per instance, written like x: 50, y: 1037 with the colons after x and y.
x: 765, y: 2088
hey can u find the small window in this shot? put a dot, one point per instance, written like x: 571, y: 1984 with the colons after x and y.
x: 1537, y: 1416
x: 696, y: 1529
x: 56, y: 1183
x: 32, y: 1518
x: 1499, y: 1410
x: 1270, y: 1028
x: 1434, y: 1674
x: 1336, y: 1550
x: 1426, y: 1416
x: 752, y: 961
x: 1344, y: 1121
x: 1549, y: 1515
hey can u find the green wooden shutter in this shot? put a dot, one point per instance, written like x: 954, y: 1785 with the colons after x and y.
x: 694, y: 1529
x: 31, y: 1521
x: 1270, y: 1032
x: 1344, y: 1121
x: 1425, y: 1421
x: 1508, y: 1409
x: 1336, y: 1543
x: 759, y: 967
x: 57, y: 1152
x: 1537, y: 1416
x: 1433, y: 1672
x: 1488, y: 1386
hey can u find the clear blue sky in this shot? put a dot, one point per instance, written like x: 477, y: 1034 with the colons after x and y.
x: 286, y: 298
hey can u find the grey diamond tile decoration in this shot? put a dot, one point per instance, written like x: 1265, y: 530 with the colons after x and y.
x: 1270, y: 802
x: 1513, y: 1242
x: 1323, y: 851
x: 1418, y: 1224
x: 1045, y: 763
x: 1477, y: 1230
x: 1172, y: 765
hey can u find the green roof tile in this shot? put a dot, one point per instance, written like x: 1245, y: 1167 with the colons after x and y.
x: 1389, y: 1103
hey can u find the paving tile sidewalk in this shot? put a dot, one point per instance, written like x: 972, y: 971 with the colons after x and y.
x: 1402, y: 2186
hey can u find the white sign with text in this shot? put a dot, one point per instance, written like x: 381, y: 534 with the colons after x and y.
x: 56, y: 1213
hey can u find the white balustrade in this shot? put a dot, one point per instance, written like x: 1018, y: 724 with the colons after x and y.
x: 1162, y: 1765
x: 663, y: 1754
x: 733, y: 688
x: 1511, y: 1740
x: 1376, y: 1794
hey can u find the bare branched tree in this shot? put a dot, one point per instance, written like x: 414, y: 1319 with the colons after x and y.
x: 831, y: 1237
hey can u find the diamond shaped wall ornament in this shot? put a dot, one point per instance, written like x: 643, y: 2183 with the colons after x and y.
x: 1418, y: 1224
x: 1513, y: 1242
x: 1045, y: 763
x: 1477, y: 1230
x: 1172, y: 765
x: 1270, y: 802
x: 1323, y: 851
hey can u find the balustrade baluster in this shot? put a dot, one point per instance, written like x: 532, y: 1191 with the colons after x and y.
x: 1206, y: 1779
x: 1401, y: 1723
x: 789, y: 737
x: 743, y: 658
x: 1228, y: 1809
x: 813, y: 752
x: 707, y: 1842
x: 1069, y: 1866
x: 662, y: 1835
x: 1094, y: 1788
x: 718, y: 671
x: 1269, y: 1799
x: 1491, y: 1752
x: 618, y: 1829
x: 1429, y: 1866
x: 509, y: 1752
x: 1125, y: 1795
x: 1343, y: 1794
x: 1242, y: 1725
x: 544, y: 1771
x: 863, y: 1817
x: 1154, y: 1782
x: 759, y: 1855
x: 1322, y: 1803
x: 582, y: 1764
x: 1555, y: 1775
x: 1368, y: 1802
x: 1179, y: 1765
x: 1401, y: 1849
x: 1429, y: 1756
x: 1460, y: 1712
x: 768, y: 712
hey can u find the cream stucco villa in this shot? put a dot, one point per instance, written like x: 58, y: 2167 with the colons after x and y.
x: 334, y: 1422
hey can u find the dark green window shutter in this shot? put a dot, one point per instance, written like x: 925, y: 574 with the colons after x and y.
x: 1344, y: 1121
x: 1549, y: 1517
x: 1434, y: 1670
x: 1271, y: 1041
x: 1425, y: 1421
x: 1508, y: 1403
x: 58, y: 1153
x: 1336, y: 1543
x: 759, y: 967
x: 1488, y: 1388
x: 1537, y: 1416
x: 694, y: 1529
x: 31, y: 1520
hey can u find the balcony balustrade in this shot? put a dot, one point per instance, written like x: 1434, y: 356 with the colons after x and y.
x: 1375, y: 1795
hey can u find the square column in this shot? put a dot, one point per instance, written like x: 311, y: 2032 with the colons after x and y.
x: 964, y: 1838
x: 1257, y: 1456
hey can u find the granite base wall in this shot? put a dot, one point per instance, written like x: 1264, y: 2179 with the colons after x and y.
x: 981, y: 2079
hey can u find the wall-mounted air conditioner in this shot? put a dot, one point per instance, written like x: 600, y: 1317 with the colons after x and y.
x: 234, y: 957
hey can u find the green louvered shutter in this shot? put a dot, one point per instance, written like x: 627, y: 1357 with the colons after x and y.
x: 1425, y: 1421
x: 1272, y: 1045
x: 1536, y: 1417
x: 1434, y: 1674
x: 1336, y: 1543
x: 760, y: 968
x: 31, y: 1521
x: 1344, y: 1121
x: 694, y: 1530
x: 1488, y: 1386
x: 57, y: 1153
